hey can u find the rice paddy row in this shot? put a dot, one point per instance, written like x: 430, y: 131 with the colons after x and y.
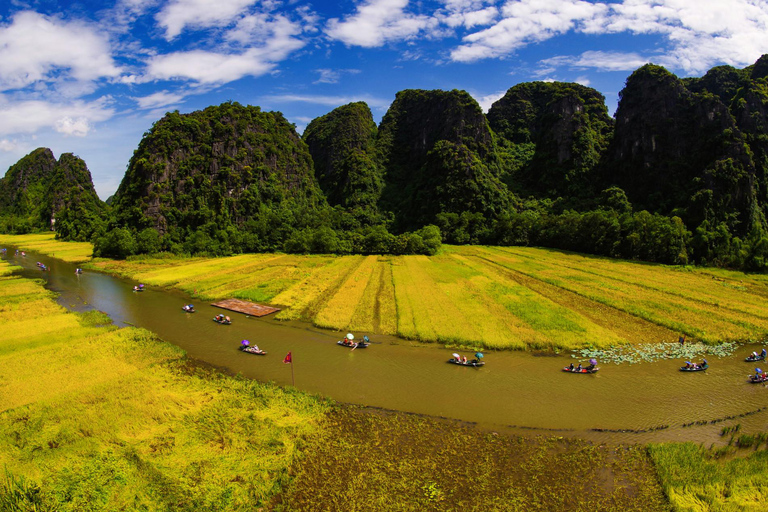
x: 479, y: 297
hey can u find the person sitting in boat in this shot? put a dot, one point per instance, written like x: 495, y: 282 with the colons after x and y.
x: 763, y: 353
x: 754, y: 355
x: 704, y: 362
x: 578, y: 368
x: 226, y: 319
x: 464, y: 359
x: 570, y: 367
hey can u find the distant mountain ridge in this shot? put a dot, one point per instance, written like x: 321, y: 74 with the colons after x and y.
x: 680, y: 174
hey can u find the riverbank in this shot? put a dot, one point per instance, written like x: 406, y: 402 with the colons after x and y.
x: 473, y: 297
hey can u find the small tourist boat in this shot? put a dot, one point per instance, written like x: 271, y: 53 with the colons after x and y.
x: 696, y: 368
x: 753, y: 358
x: 78, y: 271
x: 578, y: 370
x: 352, y: 344
x: 253, y: 350
x: 471, y: 362
x: 139, y: 288
x: 222, y: 321
x: 189, y: 308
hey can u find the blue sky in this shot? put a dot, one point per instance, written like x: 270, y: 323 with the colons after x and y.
x: 91, y: 77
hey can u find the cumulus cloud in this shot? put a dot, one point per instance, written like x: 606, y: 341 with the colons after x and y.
x: 179, y: 14
x: 73, y: 118
x: 488, y: 100
x: 159, y: 99
x: 7, y: 145
x: 600, y: 60
x: 378, y: 22
x: 697, y: 33
x: 36, y: 48
x: 524, y: 22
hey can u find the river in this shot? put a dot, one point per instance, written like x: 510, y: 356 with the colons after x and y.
x: 514, y: 391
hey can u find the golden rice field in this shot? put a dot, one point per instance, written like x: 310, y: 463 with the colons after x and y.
x: 100, y: 418
x: 492, y: 297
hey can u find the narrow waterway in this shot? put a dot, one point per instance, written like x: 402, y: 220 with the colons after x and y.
x: 515, y: 390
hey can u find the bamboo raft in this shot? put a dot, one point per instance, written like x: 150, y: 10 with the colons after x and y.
x: 243, y: 306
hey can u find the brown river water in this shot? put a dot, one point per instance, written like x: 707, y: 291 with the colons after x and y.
x: 515, y: 391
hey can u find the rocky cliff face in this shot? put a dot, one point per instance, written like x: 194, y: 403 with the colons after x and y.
x: 439, y: 156
x: 556, y: 133
x: 680, y: 151
x: 342, y: 145
x: 222, y: 164
x: 41, y: 190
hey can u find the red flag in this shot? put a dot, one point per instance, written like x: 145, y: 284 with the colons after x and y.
x: 288, y: 358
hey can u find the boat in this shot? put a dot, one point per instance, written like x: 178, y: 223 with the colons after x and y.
x: 222, y: 321
x: 752, y: 358
x: 253, y: 350
x: 576, y: 369
x: 472, y: 362
x: 189, y: 308
x: 352, y: 344
x: 697, y: 368
x: 139, y: 288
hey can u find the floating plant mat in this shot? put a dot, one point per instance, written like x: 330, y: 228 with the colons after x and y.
x: 655, y: 352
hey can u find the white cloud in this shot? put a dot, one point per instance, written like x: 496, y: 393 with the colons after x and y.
x: 36, y: 48
x: 377, y: 22
x: 7, y: 145
x: 697, y: 33
x: 332, y: 76
x: 78, y: 127
x: 583, y: 80
x: 330, y: 101
x: 159, y: 99
x: 488, y: 100
x: 179, y: 14
x: 208, y: 67
x: 600, y: 60
x: 460, y: 16
x: 73, y: 118
x: 524, y: 22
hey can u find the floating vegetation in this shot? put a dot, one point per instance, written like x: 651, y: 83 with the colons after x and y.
x: 655, y: 352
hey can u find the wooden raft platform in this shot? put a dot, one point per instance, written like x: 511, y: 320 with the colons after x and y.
x: 243, y: 306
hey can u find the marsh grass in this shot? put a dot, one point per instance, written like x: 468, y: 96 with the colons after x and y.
x: 101, y: 418
x: 385, y: 461
x: 699, y: 479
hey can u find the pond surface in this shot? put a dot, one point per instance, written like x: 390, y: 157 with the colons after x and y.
x: 516, y: 391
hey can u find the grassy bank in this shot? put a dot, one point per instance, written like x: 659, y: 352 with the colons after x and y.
x: 73, y: 252
x: 697, y: 479
x: 99, y: 418
x: 491, y: 297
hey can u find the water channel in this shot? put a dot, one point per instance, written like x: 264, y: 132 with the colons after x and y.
x: 515, y: 391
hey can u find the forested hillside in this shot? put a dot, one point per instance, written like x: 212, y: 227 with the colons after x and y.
x: 679, y: 176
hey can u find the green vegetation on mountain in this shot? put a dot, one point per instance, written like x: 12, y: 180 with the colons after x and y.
x: 553, y: 135
x: 343, y: 148
x: 39, y: 193
x: 439, y: 157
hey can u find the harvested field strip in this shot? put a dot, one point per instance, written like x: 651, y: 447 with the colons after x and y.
x: 386, y: 306
x: 229, y: 275
x: 366, y: 315
x: 624, y: 327
x: 553, y: 324
x: 339, y: 309
x: 306, y: 297
x: 707, y: 324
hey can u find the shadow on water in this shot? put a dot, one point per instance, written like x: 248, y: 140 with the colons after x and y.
x: 515, y: 391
